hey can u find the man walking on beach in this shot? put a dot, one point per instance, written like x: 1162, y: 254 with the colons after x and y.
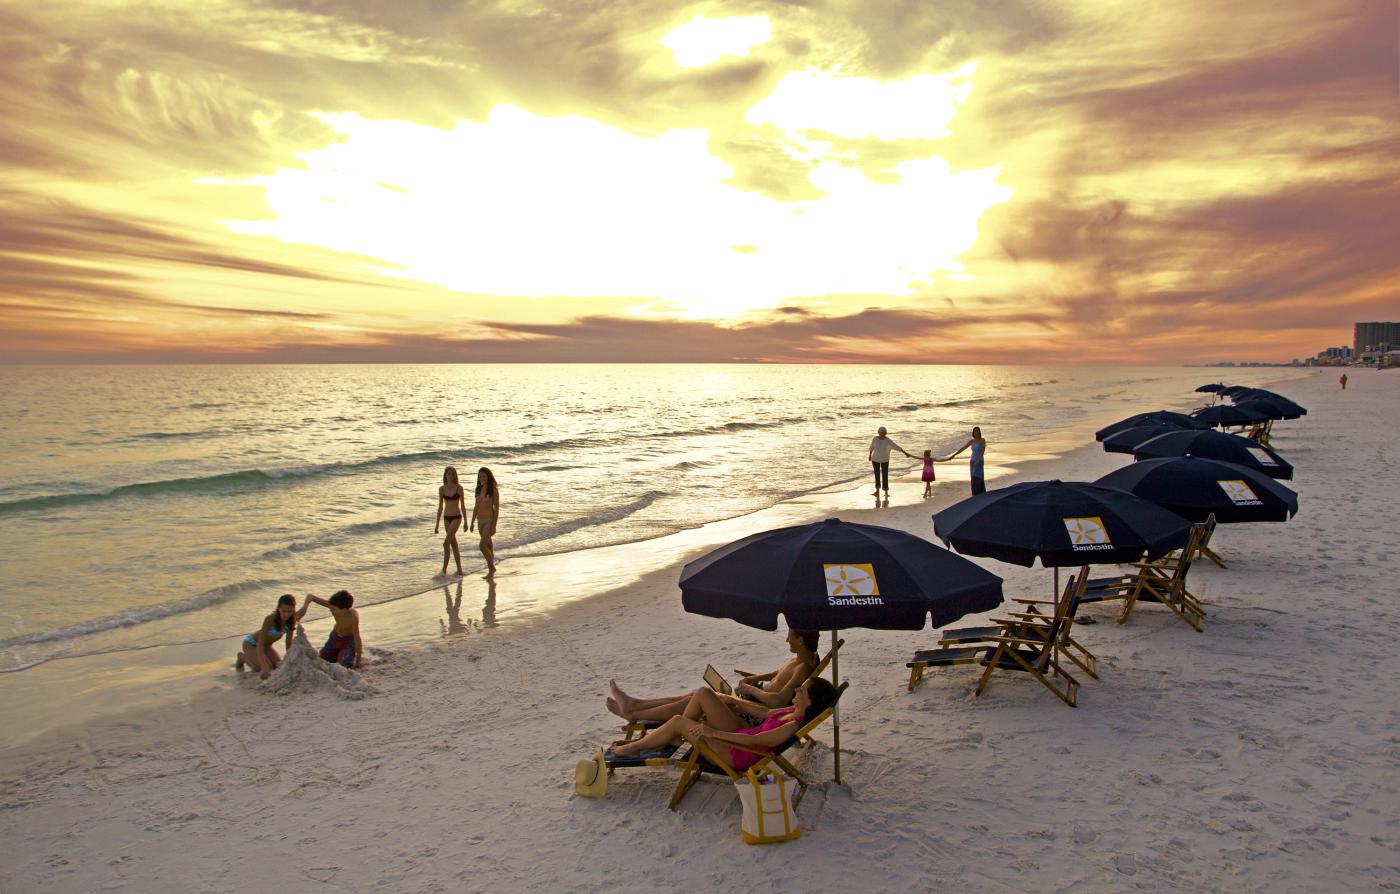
x: 880, y: 447
x: 1343, y: 380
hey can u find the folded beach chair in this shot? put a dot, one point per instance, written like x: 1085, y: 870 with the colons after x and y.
x: 1031, y: 623
x: 636, y: 728
x: 702, y: 758
x: 1032, y: 643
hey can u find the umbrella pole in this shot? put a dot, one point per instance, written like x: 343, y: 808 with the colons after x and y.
x: 836, y: 709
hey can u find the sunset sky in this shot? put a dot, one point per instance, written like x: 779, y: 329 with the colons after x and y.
x: 1086, y: 181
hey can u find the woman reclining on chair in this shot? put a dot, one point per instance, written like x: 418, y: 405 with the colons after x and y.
x: 708, y: 718
x: 773, y: 690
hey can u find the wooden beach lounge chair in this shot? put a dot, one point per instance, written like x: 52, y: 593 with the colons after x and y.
x: 1031, y: 623
x: 1164, y: 581
x: 702, y: 758
x: 1034, y: 649
x: 1161, y: 581
x: 1207, y: 530
x: 637, y: 728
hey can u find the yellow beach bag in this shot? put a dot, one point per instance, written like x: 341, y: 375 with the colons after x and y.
x: 769, y: 812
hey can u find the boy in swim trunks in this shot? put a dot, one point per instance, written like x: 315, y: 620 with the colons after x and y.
x: 344, y: 644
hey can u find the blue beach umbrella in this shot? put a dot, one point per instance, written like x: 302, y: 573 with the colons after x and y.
x: 1272, y: 407
x: 1196, y: 488
x: 1162, y: 417
x: 1216, y: 445
x: 1061, y: 523
x: 833, y: 575
x: 1229, y: 415
x: 1127, y: 440
x: 1212, y: 388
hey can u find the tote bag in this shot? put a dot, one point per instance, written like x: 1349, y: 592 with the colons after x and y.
x: 769, y: 812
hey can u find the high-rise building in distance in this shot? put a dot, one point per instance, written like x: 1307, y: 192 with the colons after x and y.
x: 1370, y: 336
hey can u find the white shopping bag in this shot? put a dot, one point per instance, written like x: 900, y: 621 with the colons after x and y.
x: 769, y: 812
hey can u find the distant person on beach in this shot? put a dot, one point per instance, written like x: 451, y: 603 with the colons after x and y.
x: 1343, y: 380
x: 710, y: 720
x: 880, y: 447
x: 258, y: 650
x: 772, y: 690
x: 485, y: 512
x: 452, y: 505
x: 928, y: 474
x: 344, y: 645
x: 975, y: 459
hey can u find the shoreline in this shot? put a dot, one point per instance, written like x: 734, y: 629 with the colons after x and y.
x: 1247, y: 748
x: 167, y: 676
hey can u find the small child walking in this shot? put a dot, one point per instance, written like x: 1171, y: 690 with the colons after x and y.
x: 928, y: 475
x: 344, y: 644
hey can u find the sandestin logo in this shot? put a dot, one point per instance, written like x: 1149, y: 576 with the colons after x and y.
x: 852, y: 585
x: 1087, y: 533
x: 1240, y: 493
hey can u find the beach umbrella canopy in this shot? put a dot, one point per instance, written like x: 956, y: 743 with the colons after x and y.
x: 1211, y: 388
x: 1216, y: 445
x: 1164, y: 417
x: 1195, y: 488
x: 1224, y: 415
x: 1232, y: 390
x: 1260, y: 394
x: 833, y: 575
x: 1271, y: 408
x: 1127, y: 440
x: 1061, y: 523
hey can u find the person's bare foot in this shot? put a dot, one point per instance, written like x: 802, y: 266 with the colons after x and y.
x: 238, y: 662
x: 624, y: 701
x: 623, y: 748
x: 616, y: 709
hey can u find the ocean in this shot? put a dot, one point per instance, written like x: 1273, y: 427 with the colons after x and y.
x: 163, y: 505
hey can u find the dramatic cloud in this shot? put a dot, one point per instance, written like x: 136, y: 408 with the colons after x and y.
x: 820, y: 181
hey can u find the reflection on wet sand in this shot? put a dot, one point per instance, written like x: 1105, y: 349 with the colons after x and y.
x: 488, y: 611
x: 454, y: 624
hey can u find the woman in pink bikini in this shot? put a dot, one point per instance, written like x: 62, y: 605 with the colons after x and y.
x: 710, y: 719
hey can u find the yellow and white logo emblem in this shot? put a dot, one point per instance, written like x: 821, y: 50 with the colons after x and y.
x: 1263, y: 458
x: 1088, y: 531
x: 1238, y: 492
x: 851, y: 580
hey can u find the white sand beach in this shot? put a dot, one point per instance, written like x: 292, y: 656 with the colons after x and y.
x: 1260, y: 755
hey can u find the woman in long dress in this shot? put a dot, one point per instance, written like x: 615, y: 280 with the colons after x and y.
x: 485, y: 512
x: 975, y: 459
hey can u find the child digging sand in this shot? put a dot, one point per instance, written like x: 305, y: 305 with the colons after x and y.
x: 344, y: 644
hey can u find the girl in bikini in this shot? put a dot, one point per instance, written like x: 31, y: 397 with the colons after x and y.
x: 710, y: 720
x: 484, y: 514
x: 258, y: 649
x: 451, y: 507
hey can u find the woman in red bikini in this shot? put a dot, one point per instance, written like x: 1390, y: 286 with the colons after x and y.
x: 710, y: 719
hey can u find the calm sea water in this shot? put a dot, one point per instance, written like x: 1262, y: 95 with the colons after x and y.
x: 151, y: 505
